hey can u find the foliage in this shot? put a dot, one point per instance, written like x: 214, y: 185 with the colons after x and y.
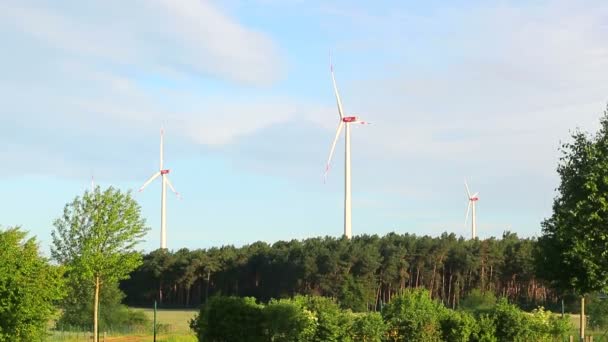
x: 95, y: 239
x: 485, y: 331
x: 478, y: 301
x: 361, y: 274
x: 511, y: 323
x: 288, y: 321
x: 113, y: 315
x: 29, y: 286
x: 457, y: 326
x: 333, y: 324
x: 413, y: 316
x: 368, y: 327
x: 229, y: 319
x: 597, y: 309
x: 573, y: 249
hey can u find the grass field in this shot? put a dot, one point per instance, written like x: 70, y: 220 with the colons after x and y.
x: 176, y: 329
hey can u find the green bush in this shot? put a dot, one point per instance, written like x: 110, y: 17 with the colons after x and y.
x: 288, y: 321
x: 457, y: 326
x: 227, y: 319
x: 333, y: 324
x: 486, y: 330
x: 512, y: 325
x: 597, y: 309
x: 414, y: 317
x: 368, y: 328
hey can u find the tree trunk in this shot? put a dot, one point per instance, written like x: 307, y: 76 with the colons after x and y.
x: 207, y: 289
x: 96, y: 309
x: 582, y: 318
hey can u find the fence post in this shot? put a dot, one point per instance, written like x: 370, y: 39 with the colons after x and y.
x: 571, y: 338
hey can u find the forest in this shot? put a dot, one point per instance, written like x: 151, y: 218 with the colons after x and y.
x: 362, y: 274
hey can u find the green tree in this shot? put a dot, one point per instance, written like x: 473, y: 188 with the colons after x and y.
x: 573, y: 250
x: 95, y: 238
x: 29, y: 286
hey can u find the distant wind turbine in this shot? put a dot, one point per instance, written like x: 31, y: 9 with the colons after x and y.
x: 472, y: 199
x: 164, y: 174
x: 344, y: 121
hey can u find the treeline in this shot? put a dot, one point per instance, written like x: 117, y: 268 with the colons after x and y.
x: 362, y: 274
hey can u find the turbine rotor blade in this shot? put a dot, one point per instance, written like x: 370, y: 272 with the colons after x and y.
x: 154, y: 176
x: 467, y: 187
x: 338, y: 101
x: 171, y: 187
x: 475, y: 194
x: 333, y: 147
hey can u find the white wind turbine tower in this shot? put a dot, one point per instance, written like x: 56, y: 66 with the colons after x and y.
x: 164, y: 174
x: 472, y: 199
x: 344, y: 121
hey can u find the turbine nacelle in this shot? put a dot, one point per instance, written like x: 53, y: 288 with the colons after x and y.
x: 350, y: 119
x: 164, y: 172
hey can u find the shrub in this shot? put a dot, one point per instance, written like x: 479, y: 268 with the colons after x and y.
x: 512, y: 325
x: 457, y: 326
x: 229, y: 319
x: 414, y: 317
x: 288, y: 321
x: 368, y: 327
x: 486, y: 330
x: 333, y: 324
x: 597, y: 309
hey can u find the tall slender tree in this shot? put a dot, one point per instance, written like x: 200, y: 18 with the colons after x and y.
x: 96, y: 237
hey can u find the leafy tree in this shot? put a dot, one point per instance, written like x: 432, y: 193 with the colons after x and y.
x: 29, y: 286
x: 95, y: 238
x: 573, y: 251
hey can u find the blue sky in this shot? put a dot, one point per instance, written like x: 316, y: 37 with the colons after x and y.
x: 482, y: 90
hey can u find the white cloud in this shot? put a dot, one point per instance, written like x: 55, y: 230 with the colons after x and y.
x: 181, y: 35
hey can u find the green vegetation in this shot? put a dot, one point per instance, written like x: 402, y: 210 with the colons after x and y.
x: 363, y: 274
x: 94, y: 239
x: 572, y: 251
x: 29, y: 286
x: 410, y: 316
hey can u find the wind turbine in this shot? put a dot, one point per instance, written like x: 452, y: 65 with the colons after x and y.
x: 344, y: 121
x: 472, y: 199
x: 164, y: 174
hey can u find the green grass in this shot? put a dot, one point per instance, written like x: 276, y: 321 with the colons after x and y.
x: 175, y: 321
x: 178, y: 320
